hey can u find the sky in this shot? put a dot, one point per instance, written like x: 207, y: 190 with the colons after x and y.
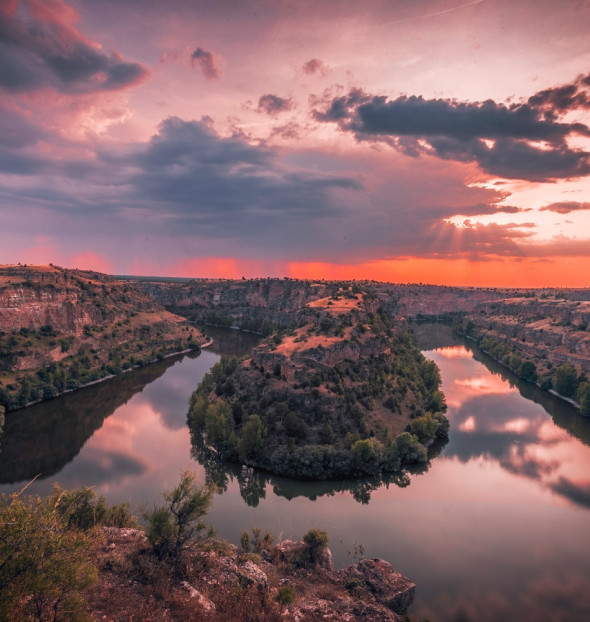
x: 434, y: 141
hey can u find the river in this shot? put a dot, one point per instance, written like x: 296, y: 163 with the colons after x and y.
x: 496, y: 529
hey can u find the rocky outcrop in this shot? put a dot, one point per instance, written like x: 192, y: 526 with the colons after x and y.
x: 220, y: 582
x: 383, y: 582
x: 60, y: 329
x: 66, y: 300
x: 545, y: 329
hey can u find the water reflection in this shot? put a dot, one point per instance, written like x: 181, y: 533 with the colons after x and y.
x: 41, y: 439
x: 253, y: 483
x: 489, y: 422
x: 496, y: 529
x: 228, y: 341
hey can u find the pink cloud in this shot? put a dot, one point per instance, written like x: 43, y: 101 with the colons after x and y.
x: 211, y: 65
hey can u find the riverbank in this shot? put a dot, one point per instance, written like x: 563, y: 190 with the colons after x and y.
x: 542, y: 387
x: 111, y: 376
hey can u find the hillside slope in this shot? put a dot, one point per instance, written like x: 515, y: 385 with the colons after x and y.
x: 345, y: 394
x: 61, y: 329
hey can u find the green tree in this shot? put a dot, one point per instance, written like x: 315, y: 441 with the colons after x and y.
x: 566, y: 380
x: 366, y: 455
x: 1, y: 420
x: 528, y: 371
x: 251, y: 442
x: 216, y: 420
x: 424, y: 427
x: 584, y: 398
x: 173, y: 525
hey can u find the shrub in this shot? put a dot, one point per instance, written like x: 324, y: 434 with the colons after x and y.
x: 316, y: 541
x: 285, y: 596
x: 583, y: 399
x: 82, y: 509
x: 43, y: 565
x: 566, y: 380
x: 172, y: 526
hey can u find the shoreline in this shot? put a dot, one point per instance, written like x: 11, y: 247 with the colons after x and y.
x: 111, y: 376
x: 567, y: 400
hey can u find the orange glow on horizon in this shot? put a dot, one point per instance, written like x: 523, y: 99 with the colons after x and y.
x: 496, y: 272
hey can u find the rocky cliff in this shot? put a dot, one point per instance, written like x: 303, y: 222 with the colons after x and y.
x: 221, y: 582
x: 60, y: 329
x: 546, y: 328
x: 239, y: 303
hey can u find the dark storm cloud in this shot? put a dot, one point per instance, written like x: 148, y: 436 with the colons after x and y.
x: 207, y: 62
x: 226, y: 184
x: 563, y: 98
x: 498, y: 137
x: 565, y: 207
x: 273, y: 104
x: 38, y: 49
x: 16, y: 131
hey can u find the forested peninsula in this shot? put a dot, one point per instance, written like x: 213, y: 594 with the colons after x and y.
x: 345, y: 393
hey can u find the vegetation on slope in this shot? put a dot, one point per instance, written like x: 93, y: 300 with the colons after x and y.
x: 73, y: 557
x: 563, y: 379
x: 62, y: 329
x: 344, y: 395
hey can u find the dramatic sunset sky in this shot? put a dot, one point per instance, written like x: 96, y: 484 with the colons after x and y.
x: 440, y: 141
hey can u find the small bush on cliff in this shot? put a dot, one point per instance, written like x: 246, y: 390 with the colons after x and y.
x: 316, y: 541
x: 172, y: 526
x: 82, y: 509
x: 285, y: 596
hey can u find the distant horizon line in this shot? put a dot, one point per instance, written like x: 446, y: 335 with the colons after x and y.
x: 185, y: 279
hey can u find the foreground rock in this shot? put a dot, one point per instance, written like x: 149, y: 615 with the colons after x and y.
x: 218, y: 582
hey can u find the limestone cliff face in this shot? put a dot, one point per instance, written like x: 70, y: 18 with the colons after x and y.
x: 67, y: 300
x: 543, y: 329
x: 237, y: 302
x: 60, y: 329
x: 277, y: 299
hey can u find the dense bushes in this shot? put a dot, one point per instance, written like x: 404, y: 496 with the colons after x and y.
x: 46, y: 558
x: 324, y: 426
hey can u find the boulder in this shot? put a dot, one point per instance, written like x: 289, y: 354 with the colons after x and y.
x: 389, y: 587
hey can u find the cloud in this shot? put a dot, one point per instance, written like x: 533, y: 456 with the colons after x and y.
x: 39, y: 48
x: 273, y: 104
x: 226, y: 186
x: 576, y: 493
x: 313, y: 66
x: 16, y: 131
x: 210, y: 64
x: 565, y: 207
x: 563, y: 98
x: 518, y: 141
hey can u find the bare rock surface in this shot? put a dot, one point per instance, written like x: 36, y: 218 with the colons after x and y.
x: 388, y: 586
x: 217, y: 581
